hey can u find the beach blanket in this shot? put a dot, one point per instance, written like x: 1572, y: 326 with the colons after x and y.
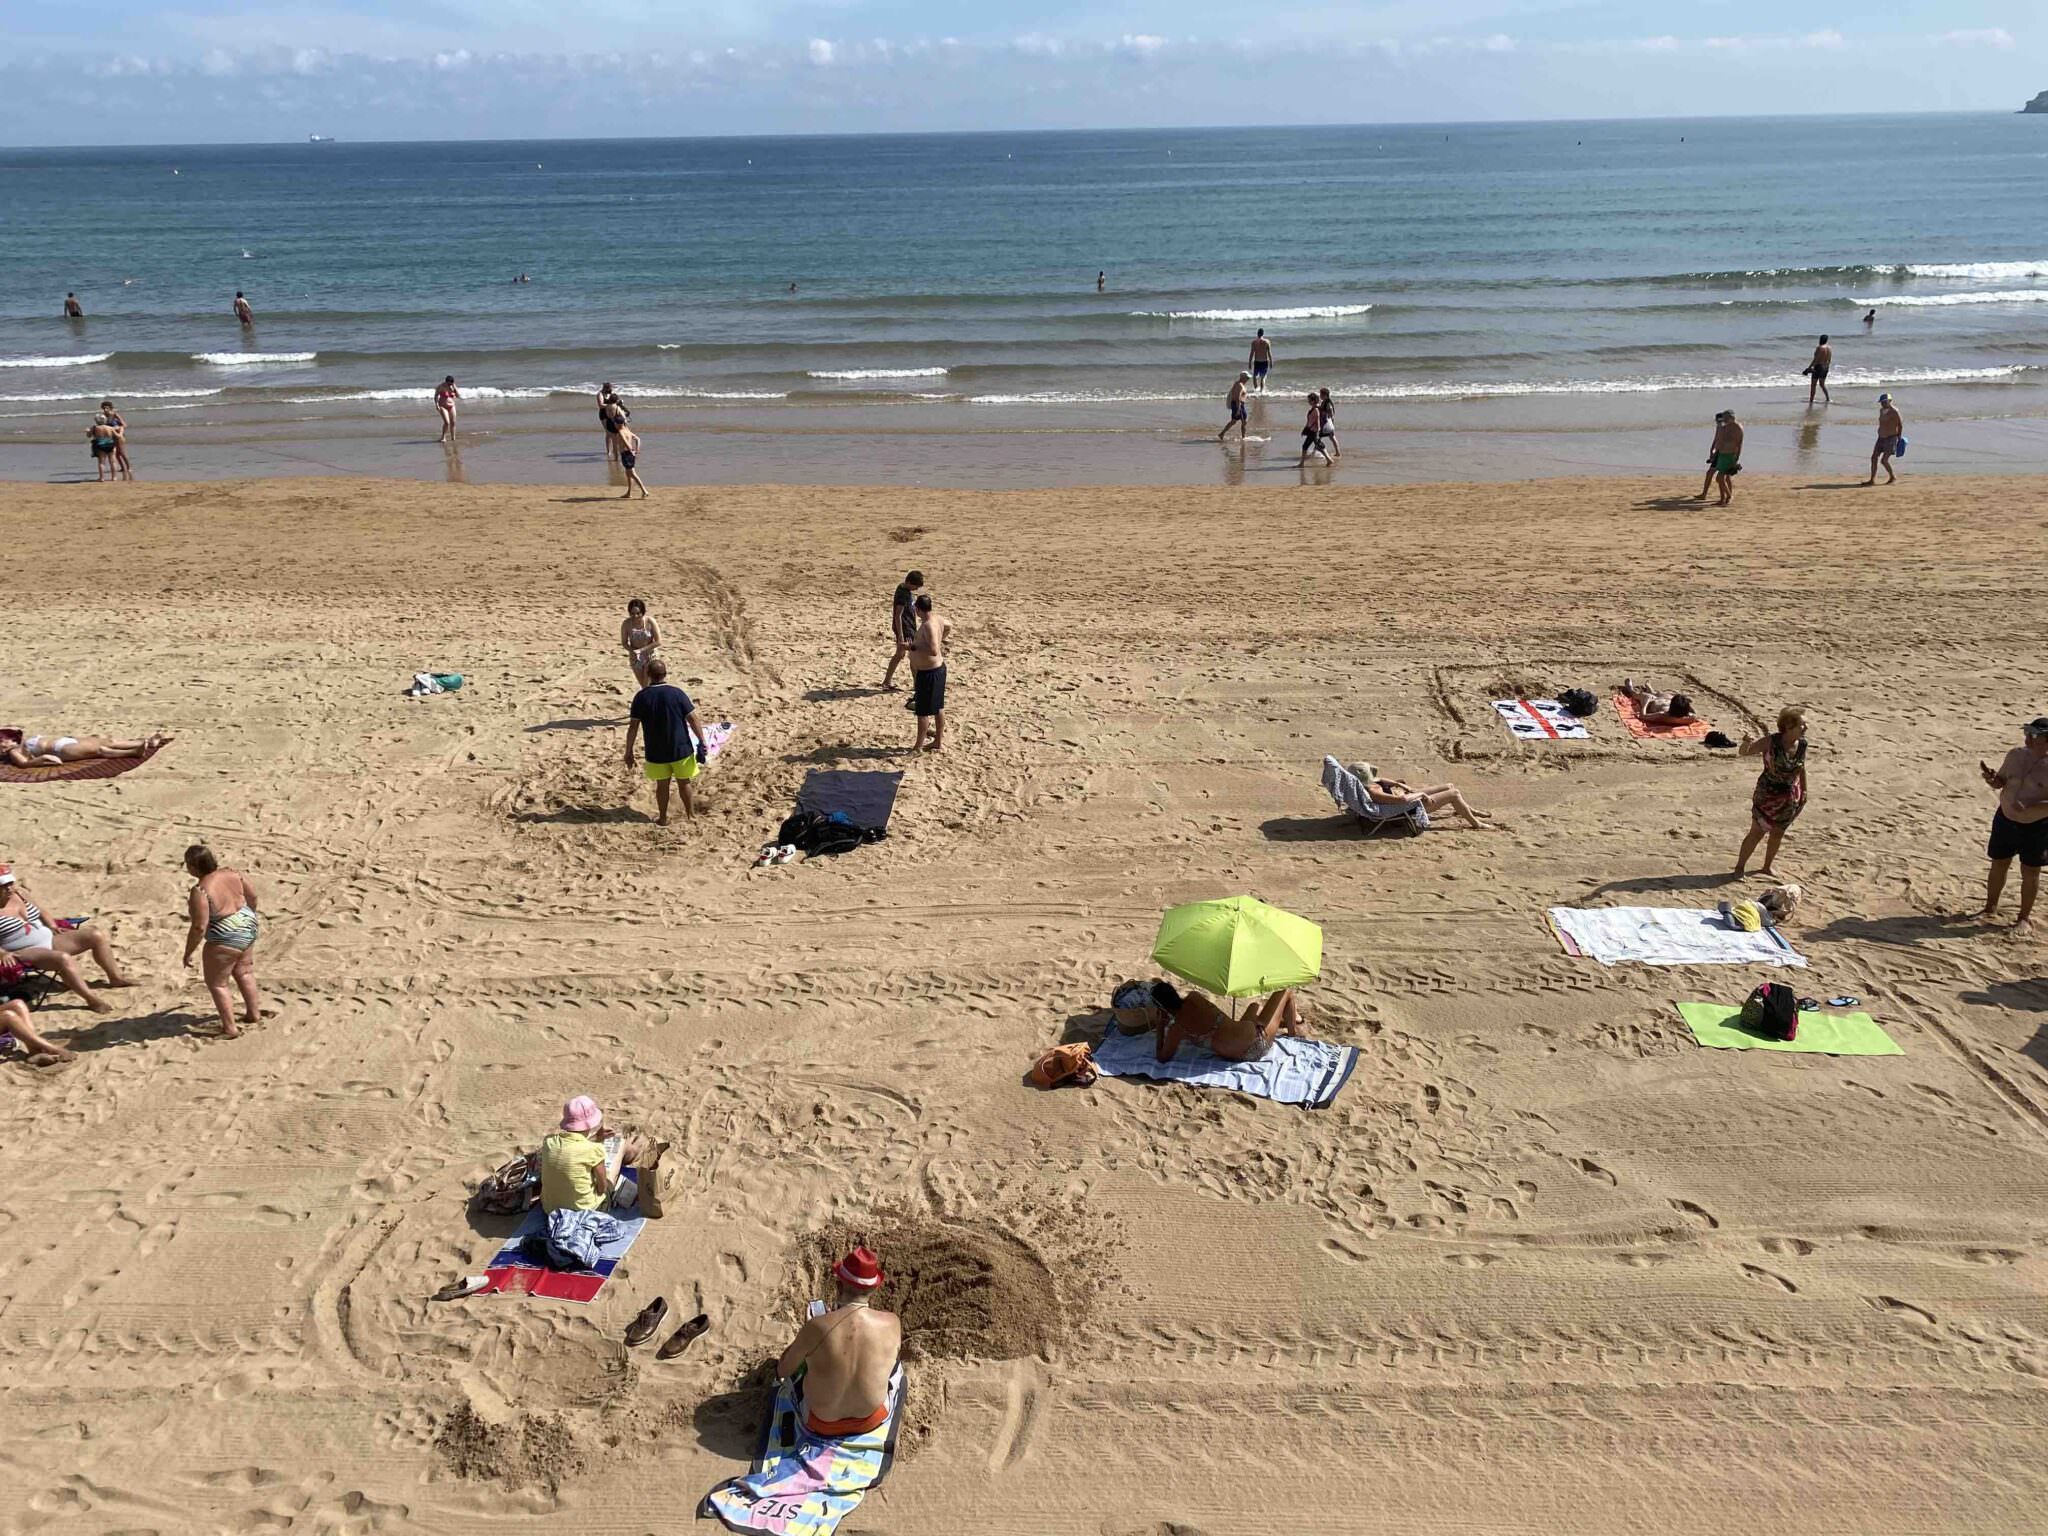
x: 91, y: 768
x: 1826, y: 1034
x: 802, y: 1485
x: 1642, y: 730
x: 518, y: 1270
x: 715, y: 738
x: 1666, y: 936
x: 866, y: 798
x: 1539, y: 720
x: 1309, y: 1073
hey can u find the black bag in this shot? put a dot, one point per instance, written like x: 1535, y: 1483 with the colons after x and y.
x: 1577, y: 701
x: 836, y: 833
x: 1772, y: 1011
x: 797, y: 828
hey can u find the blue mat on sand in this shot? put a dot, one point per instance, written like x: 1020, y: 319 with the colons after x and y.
x: 1309, y: 1073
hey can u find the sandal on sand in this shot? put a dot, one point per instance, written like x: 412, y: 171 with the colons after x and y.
x: 682, y: 1338
x: 641, y: 1329
x: 455, y: 1290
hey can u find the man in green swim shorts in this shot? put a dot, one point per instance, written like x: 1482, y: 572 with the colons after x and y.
x: 675, y: 737
x: 1724, y: 458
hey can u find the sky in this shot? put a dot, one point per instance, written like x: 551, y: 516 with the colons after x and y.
x: 236, y: 71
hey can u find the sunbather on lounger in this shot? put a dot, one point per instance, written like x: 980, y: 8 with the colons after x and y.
x: 847, y: 1353
x: 1245, y: 1038
x: 1659, y: 708
x: 1433, y: 798
x: 21, y: 750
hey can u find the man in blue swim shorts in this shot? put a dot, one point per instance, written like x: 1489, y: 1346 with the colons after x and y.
x: 1262, y: 360
x: 1238, y: 414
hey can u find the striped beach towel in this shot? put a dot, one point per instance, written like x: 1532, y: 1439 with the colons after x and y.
x: 1539, y: 720
x: 803, y: 1485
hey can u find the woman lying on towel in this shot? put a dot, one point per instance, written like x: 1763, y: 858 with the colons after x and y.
x: 21, y: 750
x: 1435, y: 799
x: 1654, y: 708
x: 1246, y: 1038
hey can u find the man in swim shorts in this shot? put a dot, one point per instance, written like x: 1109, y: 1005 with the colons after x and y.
x: 1724, y: 458
x: 2019, y: 827
x: 1817, y: 372
x: 243, y: 312
x: 665, y: 712
x: 847, y: 1353
x: 928, y: 674
x: 1238, y: 414
x: 73, y: 310
x: 902, y: 622
x: 1261, y: 360
x: 629, y: 458
x: 1891, y: 438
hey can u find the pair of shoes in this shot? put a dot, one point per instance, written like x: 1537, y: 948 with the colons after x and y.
x: 644, y: 1327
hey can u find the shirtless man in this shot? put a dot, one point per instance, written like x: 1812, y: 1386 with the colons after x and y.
x: 928, y: 674
x: 1891, y: 435
x: 1197, y: 1019
x: 629, y: 458
x: 1238, y: 413
x: 902, y: 623
x: 1817, y: 373
x: 1261, y: 360
x: 1724, y: 458
x: 73, y: 310
x: 243, y: 312
x: 2019, y: 827
x: 847, y: 1354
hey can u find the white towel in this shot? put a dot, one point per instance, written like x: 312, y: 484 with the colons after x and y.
x: 1667, y: 936
x: 1540, y: 720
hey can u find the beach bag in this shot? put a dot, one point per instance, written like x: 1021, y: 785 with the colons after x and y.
x: 449, y: 681
x: 836, y: 833
x: 1135, y: 1012
x: 1579, y: 702
x: 1772, y: 1011
x: 656, y: 1185
x: 797, y: 828
x: 1065, y: 1064
x: 1899, y: 448
x: 513, y: 1190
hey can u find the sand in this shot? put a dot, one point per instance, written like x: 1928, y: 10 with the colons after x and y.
x: 1544, y: 1266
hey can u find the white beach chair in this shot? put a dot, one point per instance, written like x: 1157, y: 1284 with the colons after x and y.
x: 1351, y: 796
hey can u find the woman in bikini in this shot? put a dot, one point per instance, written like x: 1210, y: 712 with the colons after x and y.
x: 1780, y: 788
x: 29, y: 938
x: 641, y: 637
x: 18, y: 749
x: 1247, y: 1037
x: 445, y: 396
x: 1433, y: 798
x: 224, y: 932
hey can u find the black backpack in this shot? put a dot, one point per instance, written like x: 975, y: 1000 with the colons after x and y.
x: 1577, y: 701
x: 1772, y: 1011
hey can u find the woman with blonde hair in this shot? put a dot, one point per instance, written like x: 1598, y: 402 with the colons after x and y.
x: 1780, y: 788
x: 224, y: 931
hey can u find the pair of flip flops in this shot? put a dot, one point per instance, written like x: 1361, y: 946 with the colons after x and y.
x: 643, y: 1328
x: 1812, y: 1004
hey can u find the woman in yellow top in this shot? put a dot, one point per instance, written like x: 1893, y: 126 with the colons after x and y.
x: 579, y: 1174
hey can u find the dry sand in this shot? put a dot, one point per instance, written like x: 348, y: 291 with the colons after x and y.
x: 1545, y: 1266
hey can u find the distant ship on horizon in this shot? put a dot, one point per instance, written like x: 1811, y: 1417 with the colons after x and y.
x: 319, y: 138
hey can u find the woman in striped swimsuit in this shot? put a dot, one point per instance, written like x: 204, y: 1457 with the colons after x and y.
x: 225, y: 923
x: 29, y: 938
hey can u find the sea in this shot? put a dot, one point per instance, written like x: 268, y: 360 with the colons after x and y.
x: 1482, y: 300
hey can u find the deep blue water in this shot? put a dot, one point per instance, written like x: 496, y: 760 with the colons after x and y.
x: 1389, y: 262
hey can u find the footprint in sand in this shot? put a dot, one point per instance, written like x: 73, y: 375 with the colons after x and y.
x: 1698, y: 1213
x: 1786, y: 1247
x: 1899, y: 1308
x: 1765, y: 1277
x: 1594, y: 1171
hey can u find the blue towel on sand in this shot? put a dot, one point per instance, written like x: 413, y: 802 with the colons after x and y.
x: 1294, y: 1071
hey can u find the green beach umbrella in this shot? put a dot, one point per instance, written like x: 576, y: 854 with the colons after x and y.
x: 1239, y: 946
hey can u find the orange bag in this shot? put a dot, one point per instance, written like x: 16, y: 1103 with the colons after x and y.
x: 1065, y: 1064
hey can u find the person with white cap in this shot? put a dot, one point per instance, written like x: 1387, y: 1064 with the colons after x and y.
x: 847, y: 1353
x: 579, y: 1176
x: 2019, y: 827
x: 27, y: 937
x: 1239, y: 414
x: 1891, y: 439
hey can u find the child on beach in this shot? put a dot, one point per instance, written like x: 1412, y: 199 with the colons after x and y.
x: 629, y: 456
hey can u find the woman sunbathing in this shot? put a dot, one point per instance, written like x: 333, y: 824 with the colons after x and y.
x: 1245, y: 1038
x: 1435, y: 799
x: 27, y: 937
x: 21, y: 750
x: 1654, y: 708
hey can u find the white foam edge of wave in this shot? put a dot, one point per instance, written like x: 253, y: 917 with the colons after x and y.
x: 106, y: 394
x: 1302, y: 312
x: 76, y: 360
x: 1982, y: 271
x: 876, y: 373
x: 1946, y: 300
x: 250, y: 359
x: 540, y: 392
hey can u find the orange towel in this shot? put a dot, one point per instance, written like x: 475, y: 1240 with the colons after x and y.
x: 1642, y: 731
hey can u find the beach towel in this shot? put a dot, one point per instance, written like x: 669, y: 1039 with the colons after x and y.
x: 1827, y: 1034
x: 1642, y: 730
x: 1539, y: 720
x: 518, y: 1270
x: 866, y: 798
x: 91, y: 768
x: 1666, y: 936
x: 715, y: 737
x: 1309, y: 1073
x: 803, y: 1485
x: 1349, y: 794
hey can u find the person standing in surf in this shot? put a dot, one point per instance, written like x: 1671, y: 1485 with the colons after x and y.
x: 1238, y: 414
x: 1891, y: 439
x: 1312, y: 431
x: 243, y: 312
x: 1261, y: 360
x: 73, y: 310
x: 1817, y: 373
x: 445, y: 396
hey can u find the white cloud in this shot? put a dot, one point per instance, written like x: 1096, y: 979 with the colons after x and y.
x: 1500, y: 42
x: 1143, y: 44
x: 219, y: 63
x: 1827, y: 37
x: 1981, y: 37
x: 459, y: 59
x: 821, y: 52
x: 1038, y: 45
x: 311, y: 61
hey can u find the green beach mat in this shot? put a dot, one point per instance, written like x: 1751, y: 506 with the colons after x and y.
x: 1828, y: 1034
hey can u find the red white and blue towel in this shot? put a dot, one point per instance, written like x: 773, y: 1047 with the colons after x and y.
x: 1539, y: 720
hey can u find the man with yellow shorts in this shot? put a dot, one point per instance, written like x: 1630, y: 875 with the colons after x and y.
x: 675, y: 738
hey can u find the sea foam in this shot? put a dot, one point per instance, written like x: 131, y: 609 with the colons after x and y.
x: 1305, y: 312
x: 246, y: 359
x: 78, y: 360
x: 876, y: 373
x: 1946, y: 300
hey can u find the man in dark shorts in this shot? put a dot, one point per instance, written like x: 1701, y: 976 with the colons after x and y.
x: 1261, y: 360
x: 1238, y: 413
x: 1891, y: 439
x: 902, y: 622
x: 73, y: 310
x: 928, y: 674
x: 665, y: 712
x: 1817, y: 372
x: 2019, y: 827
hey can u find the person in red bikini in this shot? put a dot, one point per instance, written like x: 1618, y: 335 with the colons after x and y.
x: 847, y: 1354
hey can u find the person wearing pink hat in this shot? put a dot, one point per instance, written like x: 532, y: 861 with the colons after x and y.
x: 579, y: 1175
x: 847, y: 1353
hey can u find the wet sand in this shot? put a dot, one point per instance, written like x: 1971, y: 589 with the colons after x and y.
x: 1544, y: 1265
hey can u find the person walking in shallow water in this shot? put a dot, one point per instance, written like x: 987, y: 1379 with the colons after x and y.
x: 1891, y: 439
x: 1239, y: 415
x: 1780, y: 788
x: 445, y: 397
x: 1261, y: 360
x: 1312, y: 432
x: 1817, y: 373
x: 243, y: 312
